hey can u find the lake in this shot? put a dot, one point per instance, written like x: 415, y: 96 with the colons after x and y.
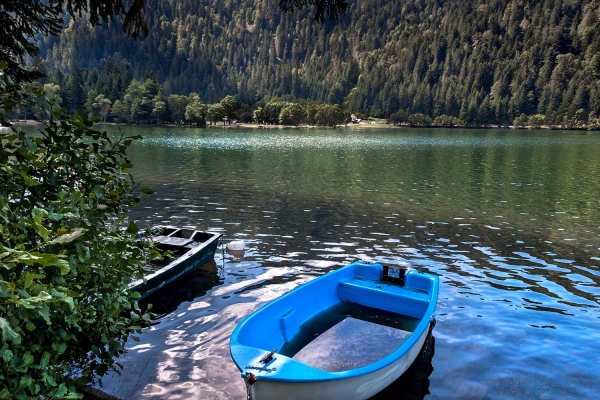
x: 509, y: 220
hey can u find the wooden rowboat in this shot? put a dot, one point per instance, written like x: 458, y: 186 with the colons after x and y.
x: 190, y: 249
x: 345, y: 335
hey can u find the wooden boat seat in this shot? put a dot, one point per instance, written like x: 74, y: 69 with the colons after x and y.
x: 388, y: 296
x: 173, y: 241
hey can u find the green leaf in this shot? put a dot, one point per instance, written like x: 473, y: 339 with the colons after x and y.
x: 132, y: 228
x: 28, y: 359
x: 45, y: 260
x: 72, y: 395
x: 7, y: 332
x: 62, y: 390
x: 25, y: 382
x: 45, y: 360
x: 98, y: 193
x: 7, y: 355
x: 35, y: 301
x: 69, y: 237
x: 56, y: 217
x: 44, y: 312
x: 49, y: 380
x: 6, y: 289
x: 59, y: 348
x: 28, y: 181
x: 69, y: 301
x: 28, y: 280
x: 39, y: 212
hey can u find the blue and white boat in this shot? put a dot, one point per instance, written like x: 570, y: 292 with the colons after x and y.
x: 345, y: 335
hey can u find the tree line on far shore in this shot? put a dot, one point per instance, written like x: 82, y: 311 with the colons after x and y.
x: 116, y: 97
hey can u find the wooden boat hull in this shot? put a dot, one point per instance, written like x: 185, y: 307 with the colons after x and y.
x: 199, y: 249
x: 272, y: 326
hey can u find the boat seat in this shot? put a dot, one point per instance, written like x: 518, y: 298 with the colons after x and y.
x: 172, y: 240
x: 289, y: 324
x: 388, y: 296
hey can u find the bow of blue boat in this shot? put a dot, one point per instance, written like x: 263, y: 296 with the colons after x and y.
x: 255, y: 341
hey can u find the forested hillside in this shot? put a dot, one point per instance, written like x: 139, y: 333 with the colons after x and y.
x: 483, y: 61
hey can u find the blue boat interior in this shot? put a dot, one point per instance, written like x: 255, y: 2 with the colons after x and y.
x: 362, y: 283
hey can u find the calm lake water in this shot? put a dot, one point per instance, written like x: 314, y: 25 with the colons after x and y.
x: 510, y: 220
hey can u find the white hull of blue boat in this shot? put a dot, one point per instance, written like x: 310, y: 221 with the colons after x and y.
x: 272, y: 375
x: 357, y: 388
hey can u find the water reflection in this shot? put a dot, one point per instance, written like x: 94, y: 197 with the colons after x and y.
x: 509, y: 220
x: 195, y: 285
x: 237, y: 255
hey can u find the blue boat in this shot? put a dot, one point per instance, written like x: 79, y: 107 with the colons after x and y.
x: 345, y: 335
x: 189, y: 249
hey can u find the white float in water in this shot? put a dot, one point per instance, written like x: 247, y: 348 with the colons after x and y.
x: 236, y: 245
x: 236, y: 249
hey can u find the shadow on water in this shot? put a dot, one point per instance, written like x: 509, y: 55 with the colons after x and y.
x: 192, y: 286
x: 414, y: 383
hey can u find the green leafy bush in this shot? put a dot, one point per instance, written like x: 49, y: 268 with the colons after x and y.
x: 66, y: 261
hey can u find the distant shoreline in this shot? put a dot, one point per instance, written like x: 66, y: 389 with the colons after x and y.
x: 370, y: 125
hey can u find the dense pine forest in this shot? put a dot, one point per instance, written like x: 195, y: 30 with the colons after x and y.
x: 454, y: 62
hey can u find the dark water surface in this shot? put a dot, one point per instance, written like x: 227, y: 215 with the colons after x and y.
x: 510, y: 220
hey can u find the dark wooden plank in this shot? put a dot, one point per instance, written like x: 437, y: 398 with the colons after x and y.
x: 173, y: 241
